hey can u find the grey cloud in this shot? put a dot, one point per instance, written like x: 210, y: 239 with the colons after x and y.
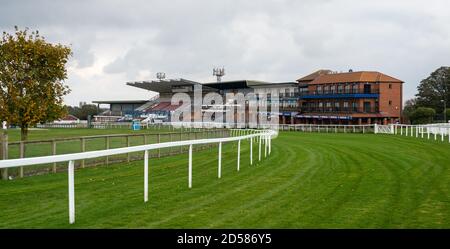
x: 116, y: 41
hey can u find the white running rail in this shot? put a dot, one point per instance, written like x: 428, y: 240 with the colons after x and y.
x: 428, y: 131
x: 262, y: 136
x: 385, y: 129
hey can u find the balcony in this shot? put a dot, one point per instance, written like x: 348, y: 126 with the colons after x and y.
x: 340, y: 94
x: 289, y: 108
x: 338, y: 110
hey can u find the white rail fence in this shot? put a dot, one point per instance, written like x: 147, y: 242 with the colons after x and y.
x: 263, y: 137
x: 428, y: 131
x: 327, y: 128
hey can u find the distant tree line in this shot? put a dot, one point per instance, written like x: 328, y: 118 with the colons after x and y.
x: 82, y: 112
x: 431, y: 100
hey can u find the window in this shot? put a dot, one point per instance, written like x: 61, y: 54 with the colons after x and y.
x: 345, y: 106
x: 390, y: 102
x: 355, y: 88
x: 390, y: 86
x: 367, y: 88
x: 336, y: 106
x: 347, y: 89
x: 329, y: 109
x: 340, y: 89
x: 319, y: 89
x: 333, y: 89
x: 367, y: 107
x: 355, y: 106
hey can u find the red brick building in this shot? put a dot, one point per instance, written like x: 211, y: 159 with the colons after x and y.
x: 349, y: 98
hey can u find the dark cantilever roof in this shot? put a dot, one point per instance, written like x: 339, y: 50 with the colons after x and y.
x: 236, y: 84
x: 120, y: 101
x: 166, y: 86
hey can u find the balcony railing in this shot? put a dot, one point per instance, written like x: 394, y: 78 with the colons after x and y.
x: 338, y: 110
x: 373, y: 91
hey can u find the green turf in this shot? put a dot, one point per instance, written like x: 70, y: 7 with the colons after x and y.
x: 309, y: 181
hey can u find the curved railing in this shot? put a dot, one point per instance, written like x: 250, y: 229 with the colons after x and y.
x: 262, y: 136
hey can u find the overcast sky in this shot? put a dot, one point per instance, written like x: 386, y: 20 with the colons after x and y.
x: 118, y: 41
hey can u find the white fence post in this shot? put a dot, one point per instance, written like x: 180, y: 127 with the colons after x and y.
x: 259, y: 155
x: 239, y: 154
x: 190, y: 167
x: 71, y: 192
x: 270, y: 145
x: 146, y: 176
x: 220, y: 161
x: 375, y: 129
x: 265, y: 146
x: 251, y: 151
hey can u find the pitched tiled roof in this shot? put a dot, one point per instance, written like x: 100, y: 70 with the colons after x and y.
x: 363, y: 76
x: 314, y: 75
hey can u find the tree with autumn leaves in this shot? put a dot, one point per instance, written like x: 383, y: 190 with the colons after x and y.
x: 32, y: 74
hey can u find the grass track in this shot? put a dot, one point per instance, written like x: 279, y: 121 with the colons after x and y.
x: 309, y: 181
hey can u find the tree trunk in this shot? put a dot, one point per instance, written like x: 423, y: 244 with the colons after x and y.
x: 23, y: 133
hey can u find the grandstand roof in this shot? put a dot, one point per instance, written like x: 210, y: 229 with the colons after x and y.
x: 163, y: 86
x: 120, y: 101
x: 167, y: 86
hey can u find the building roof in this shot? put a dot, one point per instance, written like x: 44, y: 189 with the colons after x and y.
x: 236, y: 84
x: 363, y: 76
x: 311, y: 77
x: 120, y: 101
x: 167, y: 86
x: 277, y: 84
x: 163, y: 86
